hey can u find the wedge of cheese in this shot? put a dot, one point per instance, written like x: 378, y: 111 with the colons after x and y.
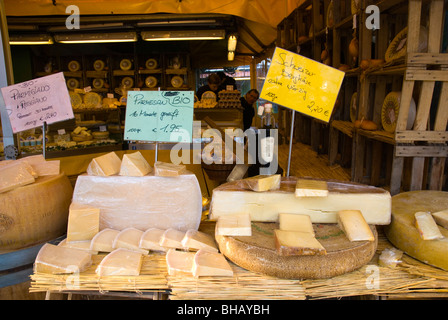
x: 59, y: 259
x: 196, y: 240
x: 426, y: 226
x: 166, y: 169
x: 150, y: 240
x: 80, y: 245
x: 106, y: 165
x: 311, y: 188
x: 234, y: 225
x: 441, y: 218
x: 354, y: 225
x: 292, y: 243
x: 83, y: 222
x: 263, y: 183
x: 120, y: 262
x: 179, y: 262
x: 295, y: 222
x: 172, y: 238
x: 129, y: 238
x: 135, y: 165
x: 103, y: 241
x: 41, y: 166
x: 209, y: 264
x: 14, y: 175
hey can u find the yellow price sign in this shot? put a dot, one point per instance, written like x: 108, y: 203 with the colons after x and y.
x: 302, y: 84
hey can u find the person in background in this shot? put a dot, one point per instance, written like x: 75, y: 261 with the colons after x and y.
x: 226, y: 81
x: 213, y: 82
x: 247, y: 102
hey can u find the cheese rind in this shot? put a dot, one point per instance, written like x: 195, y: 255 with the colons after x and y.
x: 426, y: 226
x: 354, y: 225
x: 129, y: 238
x: 106, y: 165
x: 311, y: 188
x: 83, y: 222
x: 210, y: 264
x: 135, y: 165
x: 295, y: 222
x: 292, y: 243
x: 263, y: 183
x: 197, y: 240
x: 172, y: 238
x: 59, y: 259
x: 234, y: 225
x: 150, y: 240
x: 120, y: 262
x: 441, y: 218
x: 103, y: 241
x: 179, y: 262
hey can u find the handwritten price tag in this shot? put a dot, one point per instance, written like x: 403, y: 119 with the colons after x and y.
x: 31, y: 103
x: 302, y: 84
x: 164, y: 116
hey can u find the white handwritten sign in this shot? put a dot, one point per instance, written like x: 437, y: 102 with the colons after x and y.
x: 164, y: 116
x: 31, y: 103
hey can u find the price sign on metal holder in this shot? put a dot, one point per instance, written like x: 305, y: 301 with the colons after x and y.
x: 303, y: 85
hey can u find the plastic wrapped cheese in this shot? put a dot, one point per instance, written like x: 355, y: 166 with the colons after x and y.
x: 60, y: 259
x: 129, y: 238
x: 83, y: 222
x: 103, y: 241
x: 179, y: 262
x: 120, y: 262
x: 143, y: 202
x: 150, y: 240
x: 195, y: 240
x: 15, y: 175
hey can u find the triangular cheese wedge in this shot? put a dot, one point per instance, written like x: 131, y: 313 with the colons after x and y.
x: 427, y: 227
x: 263, y: 183
x: 197, y: 240
x: 441, y: 218
x: 172, y: 238
x: 129, y: 238
x: 59, y: 259
x: 179, y: 262
x: 120, y: 262
x: 103, y: 241
x: 150, y: 240
x: 108, y: 164
x: 135, y: 165
x: 210, y: 264
x: 166, y: 169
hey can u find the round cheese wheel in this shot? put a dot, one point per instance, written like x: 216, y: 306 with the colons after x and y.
x: 390, y: 109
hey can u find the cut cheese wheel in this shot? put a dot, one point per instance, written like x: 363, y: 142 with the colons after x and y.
x: 234, y: 225
x: 80, y: 245
x: 263, y: 183
x: 311, y: 188
x: 166, y: 169
x: 150, y: 239
x: 120, y: 262
x: 426, y: 226
x: 179, y: 262
x: 15, y: 175
x: 231, y: 199
x: 129, y: 238
x: 83, y: 222
x: 197, y: 240
x: 106, y: 165
x: 295, y: 222
x: 295, y: 243
x: 441, y: 218
x: 172, y: 238
x: 134, y: 164
x: 210, y: 264
x: 354, y: 225
x: 103, y: 241
x: 390, y: 110
x: 59, y: 259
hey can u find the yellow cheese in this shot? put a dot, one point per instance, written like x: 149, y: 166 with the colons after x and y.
x: 59, y: 259
x: 426, y: 226
x: 80, y: 245
x: 135, y: 165
x: 129, y: 238
x: 311, y: 188
x: 289, y: 243
x: 234, y: 225
x: 166, y: 169
x: 172, y: 238
x: 295, y: 222
x: 83, y: 222
x: 441, y: 218
x: 106, y: 165
x: 15, y: 175
x: 179, y: 262
x: 355, y: 226
x: 210, y: 264
x: 103, y: 241
x: 150, y: 239
x: 196, y: 240
x: 263, y: 183
x: 120, y: 262
x: 41, y: 166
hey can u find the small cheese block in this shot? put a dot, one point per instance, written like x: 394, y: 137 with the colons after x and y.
x: 129, y: 238
x: 59, y: 259
x: 15, y: 175
x: 108, y: 164
x: 197, y: 240
x: 172, y: 238
x: 120, y: 262
x: 179, y: 262
x: 295, y: 222
x: 83, y: 222
x: 80, y: 245
x: 234, y: 225
x: 150, y: 240
x: 166, y: 169
x: 426, y: 226
x: 134, y: 165
x: 103, y: 241
x: 263, y: 183
x: 311, y: 188
x: 354, y: 225
x: 292, y: 243
x: 441, y: 218
x: 209, y: 264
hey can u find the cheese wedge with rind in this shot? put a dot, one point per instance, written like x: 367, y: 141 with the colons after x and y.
x: 179, y: 262
x: 59, y: 259
x: 83, y: 222
x: 441, y: 218
x: 354, y: 225
x: 172, y: 238
x: 426, y: 226
x: 80, y: 245
x: 129, y: 238
x: 106, y: 165
x: 210, y: 264
x: 120, y: 262
x: 14, y: 175
x: 197, y: 240
x: 103, y: 241
x: 293, y: 243
x: 166, y: 169
x: 134, y: 165
x: 234, y: 225
x: 261, y: 183
x: 295, y: 222
x: 150, y: 240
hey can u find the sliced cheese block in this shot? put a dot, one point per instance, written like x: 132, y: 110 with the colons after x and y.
x: 166, y: 169
x: 143, y: 202
x: 263, y: 183
x: 134, y: 164
x: 150, y: 240
x: 120, y: 262
x: 441, y: 218
x: 197, y: 240
x: 103, y: 241
x: 106, y: 165
x: 80, y: 245
x: 129, y: 238
x: 295, y: 222
x: 354, y: 225
x: 230, y: 198
x: 210, y: 264
x: 172, y: 238
x: 426, y: 226
x: 311, y: 188
x: 292, y: 243
x: 59, y: 259
x: 15, y: 175
x: 234, y: 225
x: 179, y: 262
x: 83, y: 222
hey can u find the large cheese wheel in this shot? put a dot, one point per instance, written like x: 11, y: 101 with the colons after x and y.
x: 34, y: 213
